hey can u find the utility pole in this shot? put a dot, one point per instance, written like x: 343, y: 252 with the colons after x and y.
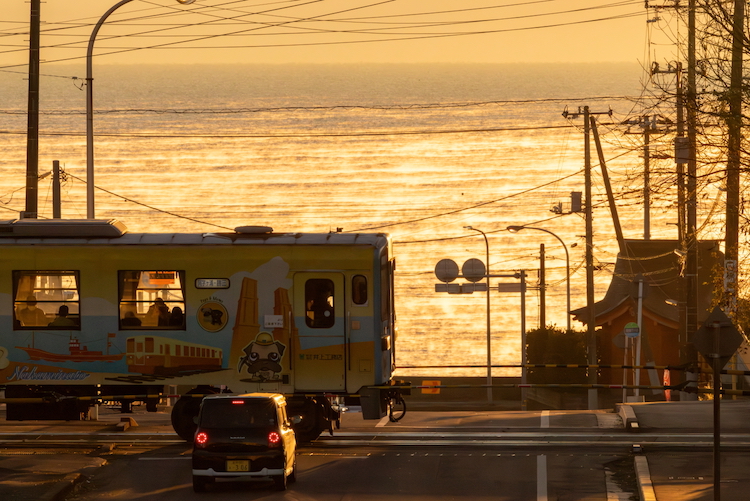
x: 32, y: 135
x: 691, y: 239
x: 588, y: 212
x: 649, y: 125
x: 542, y: 289
x: 734, y: 143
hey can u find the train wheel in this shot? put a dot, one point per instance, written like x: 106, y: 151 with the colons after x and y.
x: 313, y: 420
x: 183, y: 412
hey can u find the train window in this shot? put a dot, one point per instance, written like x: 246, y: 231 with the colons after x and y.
x: 319, y: 303
x: 48, y: 299
x: 359, y: 289
x: 152, y: 300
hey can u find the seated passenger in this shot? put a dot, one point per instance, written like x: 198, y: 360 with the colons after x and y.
x: 130, y: 320
x: 31, y: 316
x: 62, y: 319
x: 176, y: 318
x: 158, y: 313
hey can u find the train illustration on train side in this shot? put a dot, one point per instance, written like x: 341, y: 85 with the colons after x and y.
x: 89, y: 311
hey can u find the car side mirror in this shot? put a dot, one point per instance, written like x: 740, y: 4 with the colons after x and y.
x: 296, y: 419
x: 195, y: 419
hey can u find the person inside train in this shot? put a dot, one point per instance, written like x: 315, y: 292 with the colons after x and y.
x: 158, y: 313
x: 130, y: 320
x: 31, y: 315
x: 176, y: 318
x: 62, y: 319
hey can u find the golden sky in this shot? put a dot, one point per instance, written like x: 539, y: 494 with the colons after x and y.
x: 332, y: 31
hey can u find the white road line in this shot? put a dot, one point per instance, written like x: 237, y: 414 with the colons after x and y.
x: 383, y: 422
x: 164, y: 459
x: 541, y: 478
x: 545, y: 419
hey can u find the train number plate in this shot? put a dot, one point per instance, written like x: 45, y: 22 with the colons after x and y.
x: 238, y: 465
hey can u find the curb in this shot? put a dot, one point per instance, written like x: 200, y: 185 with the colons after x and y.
x: 645, y: 486
x: 60, y: 490
x: 629, y: 419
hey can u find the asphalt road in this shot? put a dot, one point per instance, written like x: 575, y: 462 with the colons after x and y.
x: 535, y: 455
x: 368, y: 473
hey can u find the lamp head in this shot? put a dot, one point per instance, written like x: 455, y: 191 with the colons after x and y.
x: 186, y: 2
x: 468, y: 227
x: 514, y: 229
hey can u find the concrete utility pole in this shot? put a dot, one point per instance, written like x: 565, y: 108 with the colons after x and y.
x: 32, y: 137
x: 588, y: 212
x: 649, y: 125
x: 542, y: 290
x: 691, y: 238
x: 734, y: 144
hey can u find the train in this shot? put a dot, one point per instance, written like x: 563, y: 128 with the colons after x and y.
x: 89, y: 309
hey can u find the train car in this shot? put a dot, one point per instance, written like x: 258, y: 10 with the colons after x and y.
x: 84, y: 303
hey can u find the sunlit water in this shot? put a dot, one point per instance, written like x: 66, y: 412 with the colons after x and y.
x: 401, y: 149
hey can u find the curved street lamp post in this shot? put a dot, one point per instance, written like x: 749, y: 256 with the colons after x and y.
x: 516, y: 229
x: 90, y: 107
x: 489, y: 330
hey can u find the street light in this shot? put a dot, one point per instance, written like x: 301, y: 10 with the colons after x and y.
x: 516, y: 229
x: 489, y: 342
x: 90, y: 107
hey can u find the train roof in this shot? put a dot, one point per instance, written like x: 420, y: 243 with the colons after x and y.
x: 113, y: 232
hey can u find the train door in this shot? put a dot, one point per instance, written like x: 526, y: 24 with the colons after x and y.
x: 319, y: 362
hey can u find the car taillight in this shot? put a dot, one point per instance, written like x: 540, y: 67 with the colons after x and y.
x: 274, y: 439
x: 201, y: 439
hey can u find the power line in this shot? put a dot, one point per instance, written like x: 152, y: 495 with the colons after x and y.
x: 297, y: 135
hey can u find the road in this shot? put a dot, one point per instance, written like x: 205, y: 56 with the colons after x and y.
x: 370, y: 473
x: 525, y: 456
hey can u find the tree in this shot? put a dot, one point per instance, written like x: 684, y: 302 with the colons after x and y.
x: 553, y: 345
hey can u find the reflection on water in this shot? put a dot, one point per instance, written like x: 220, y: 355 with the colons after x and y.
x: 219, y: 145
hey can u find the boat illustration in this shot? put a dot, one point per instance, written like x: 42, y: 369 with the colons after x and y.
x: 77, y: 353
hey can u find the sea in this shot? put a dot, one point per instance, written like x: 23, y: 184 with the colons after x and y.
x: 416, y: 151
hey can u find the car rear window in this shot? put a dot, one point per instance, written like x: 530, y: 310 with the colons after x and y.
x: 237, y: 413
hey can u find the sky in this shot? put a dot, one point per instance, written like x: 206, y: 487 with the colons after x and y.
x: 331, y: 31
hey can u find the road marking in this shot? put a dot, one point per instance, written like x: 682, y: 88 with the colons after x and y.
x: 545, y: 419
x: 383, y: 422
x: 164, y: 459
x: 541, y: 478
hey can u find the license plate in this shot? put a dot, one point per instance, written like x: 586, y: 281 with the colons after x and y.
x: 238, y: 465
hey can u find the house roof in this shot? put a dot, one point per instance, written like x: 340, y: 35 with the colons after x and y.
x: 660, y: 268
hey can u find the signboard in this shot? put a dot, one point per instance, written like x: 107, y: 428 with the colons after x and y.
x: 446, y: 270
x: 512, y: 287
x: 474, y: 270
x: 632, y: 329
x: 729, y: 338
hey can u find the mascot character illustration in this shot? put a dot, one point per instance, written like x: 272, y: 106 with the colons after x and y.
x: 263, y: 358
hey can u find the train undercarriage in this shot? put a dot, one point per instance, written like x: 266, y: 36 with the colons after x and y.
x: 318, y: 413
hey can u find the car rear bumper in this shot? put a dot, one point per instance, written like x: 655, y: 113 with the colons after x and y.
x: 265, y: 472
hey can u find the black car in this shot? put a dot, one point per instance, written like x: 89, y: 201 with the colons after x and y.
x: 245, y: 435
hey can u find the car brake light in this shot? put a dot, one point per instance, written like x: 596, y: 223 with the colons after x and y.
x: 201, y: 439
x: 274, y: 439
x: 236, y: 402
